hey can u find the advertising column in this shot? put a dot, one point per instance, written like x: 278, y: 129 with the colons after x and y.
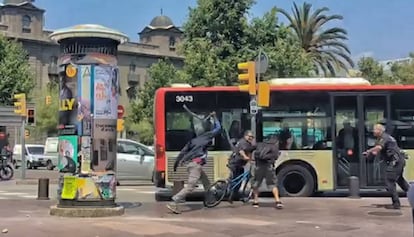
x: 87, y: 131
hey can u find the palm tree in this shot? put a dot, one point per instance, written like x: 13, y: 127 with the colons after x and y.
x: 325, y: 47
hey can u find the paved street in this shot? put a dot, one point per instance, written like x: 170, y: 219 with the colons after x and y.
x: 144, y: 217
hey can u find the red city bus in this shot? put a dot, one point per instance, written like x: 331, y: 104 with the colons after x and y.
x: 314, y: 112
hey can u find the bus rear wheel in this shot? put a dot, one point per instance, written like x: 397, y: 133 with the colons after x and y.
x: 296, y: 181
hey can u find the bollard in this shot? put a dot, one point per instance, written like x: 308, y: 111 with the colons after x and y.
x: 43, y: 189
x: 410, y: 197
x: 353, y: 187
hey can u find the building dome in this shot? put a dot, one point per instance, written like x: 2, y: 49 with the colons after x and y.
x: 161, y: 22
x: 15, y: 2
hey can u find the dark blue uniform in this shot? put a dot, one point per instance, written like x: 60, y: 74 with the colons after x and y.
x: 395, y: 163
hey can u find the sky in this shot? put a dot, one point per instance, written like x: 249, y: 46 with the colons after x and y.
x: 376, y: 28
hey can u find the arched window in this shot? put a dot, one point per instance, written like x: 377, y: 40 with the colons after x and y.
x: 26, y: 22
x: 172, y: 42
x: 132, y: 67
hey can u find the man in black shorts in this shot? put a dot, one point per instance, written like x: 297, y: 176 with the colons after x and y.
x: 265, y: 156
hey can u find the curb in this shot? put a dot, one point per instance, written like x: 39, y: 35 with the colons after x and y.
x: 87, y: 211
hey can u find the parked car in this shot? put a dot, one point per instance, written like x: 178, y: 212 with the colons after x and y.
x: 35, y: 156
x: 52, y: 151
x: 135, y: 161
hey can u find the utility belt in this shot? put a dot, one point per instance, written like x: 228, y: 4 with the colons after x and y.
x: 395, y: 157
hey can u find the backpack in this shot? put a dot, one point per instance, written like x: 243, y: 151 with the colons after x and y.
x: 265, y: 151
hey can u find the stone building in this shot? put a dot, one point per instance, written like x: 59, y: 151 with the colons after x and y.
x: 24, y: 21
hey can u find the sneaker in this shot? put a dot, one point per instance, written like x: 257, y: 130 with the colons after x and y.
x: 255, y: 204
x: 174, y: 208
x: 279, y: 205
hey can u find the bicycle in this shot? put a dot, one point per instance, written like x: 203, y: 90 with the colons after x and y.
x: 219, y: 189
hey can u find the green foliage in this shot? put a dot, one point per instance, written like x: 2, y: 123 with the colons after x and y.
x: 161, y: 74
x: 324, y: 45
x: 215, y: 36
x: 286, y: 57
x: 142, y: 131
x: 403, y: 73
x: 372, y: 71
x: 399, y: 73
x: 47, y: 115
x: 15, y: 76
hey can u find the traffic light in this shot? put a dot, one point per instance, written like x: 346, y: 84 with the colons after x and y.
x: 20, y: 104
x: 120, y: 125
x: 26, y: 133
x: 248, y: 76
x: 263, y: 92
x: 48, y: 100
x: 30, y: 116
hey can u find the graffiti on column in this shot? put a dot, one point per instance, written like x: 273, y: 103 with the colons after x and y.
x: 85, y: 154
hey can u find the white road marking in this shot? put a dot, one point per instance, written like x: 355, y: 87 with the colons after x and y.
x: 14, y: 194
x: 29, y: 196
x: 125, y: 189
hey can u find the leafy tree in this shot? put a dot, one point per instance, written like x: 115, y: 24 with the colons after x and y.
x: 161, y: 74
x: 326, y: 47
x: 47, y: 115
x: 15, y: 76
x: 373, y: 71
x: 214, y: 38
x: 286, y: 57
x: 403, y: 73
x: 142, y: 131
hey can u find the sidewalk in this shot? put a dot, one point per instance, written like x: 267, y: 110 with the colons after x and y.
x: 33, y: 176
x: 336, y: 217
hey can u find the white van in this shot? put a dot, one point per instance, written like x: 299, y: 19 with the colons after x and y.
x: 35, y: 156
x: 52, y: 150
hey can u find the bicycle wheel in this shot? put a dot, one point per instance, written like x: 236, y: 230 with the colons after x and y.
x: 6, y: 173
x: 215, y: 193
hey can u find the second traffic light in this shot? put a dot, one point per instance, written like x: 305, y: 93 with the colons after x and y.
x: 120, y: 125
x: 248, y: 76
x: 31, y: 117
x: 48, y: 100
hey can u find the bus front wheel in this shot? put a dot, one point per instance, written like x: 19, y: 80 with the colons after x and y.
x: 296, y: 181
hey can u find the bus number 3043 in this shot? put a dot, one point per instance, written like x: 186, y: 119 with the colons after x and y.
x: 183, y: 98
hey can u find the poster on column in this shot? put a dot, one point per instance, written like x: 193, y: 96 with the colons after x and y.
x: 68, y: 154
x: 85, y: 154
x: 106, y: 92
x: 67, y: 101
x: 104, y: 145
x: 84, y: 98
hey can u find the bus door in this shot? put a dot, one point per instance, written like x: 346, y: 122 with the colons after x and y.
x: 353, y: 120
x: 345, y: 129
x: 375, y: 109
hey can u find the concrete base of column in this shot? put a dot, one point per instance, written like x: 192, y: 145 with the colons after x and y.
x: 86, y: 211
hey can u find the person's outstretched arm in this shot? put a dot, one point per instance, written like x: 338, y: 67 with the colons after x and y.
x: 217, y: 126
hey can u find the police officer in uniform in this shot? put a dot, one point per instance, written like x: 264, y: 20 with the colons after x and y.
x: 394, y: 158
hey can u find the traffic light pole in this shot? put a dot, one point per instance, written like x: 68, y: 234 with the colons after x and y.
x: 23, y: 151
